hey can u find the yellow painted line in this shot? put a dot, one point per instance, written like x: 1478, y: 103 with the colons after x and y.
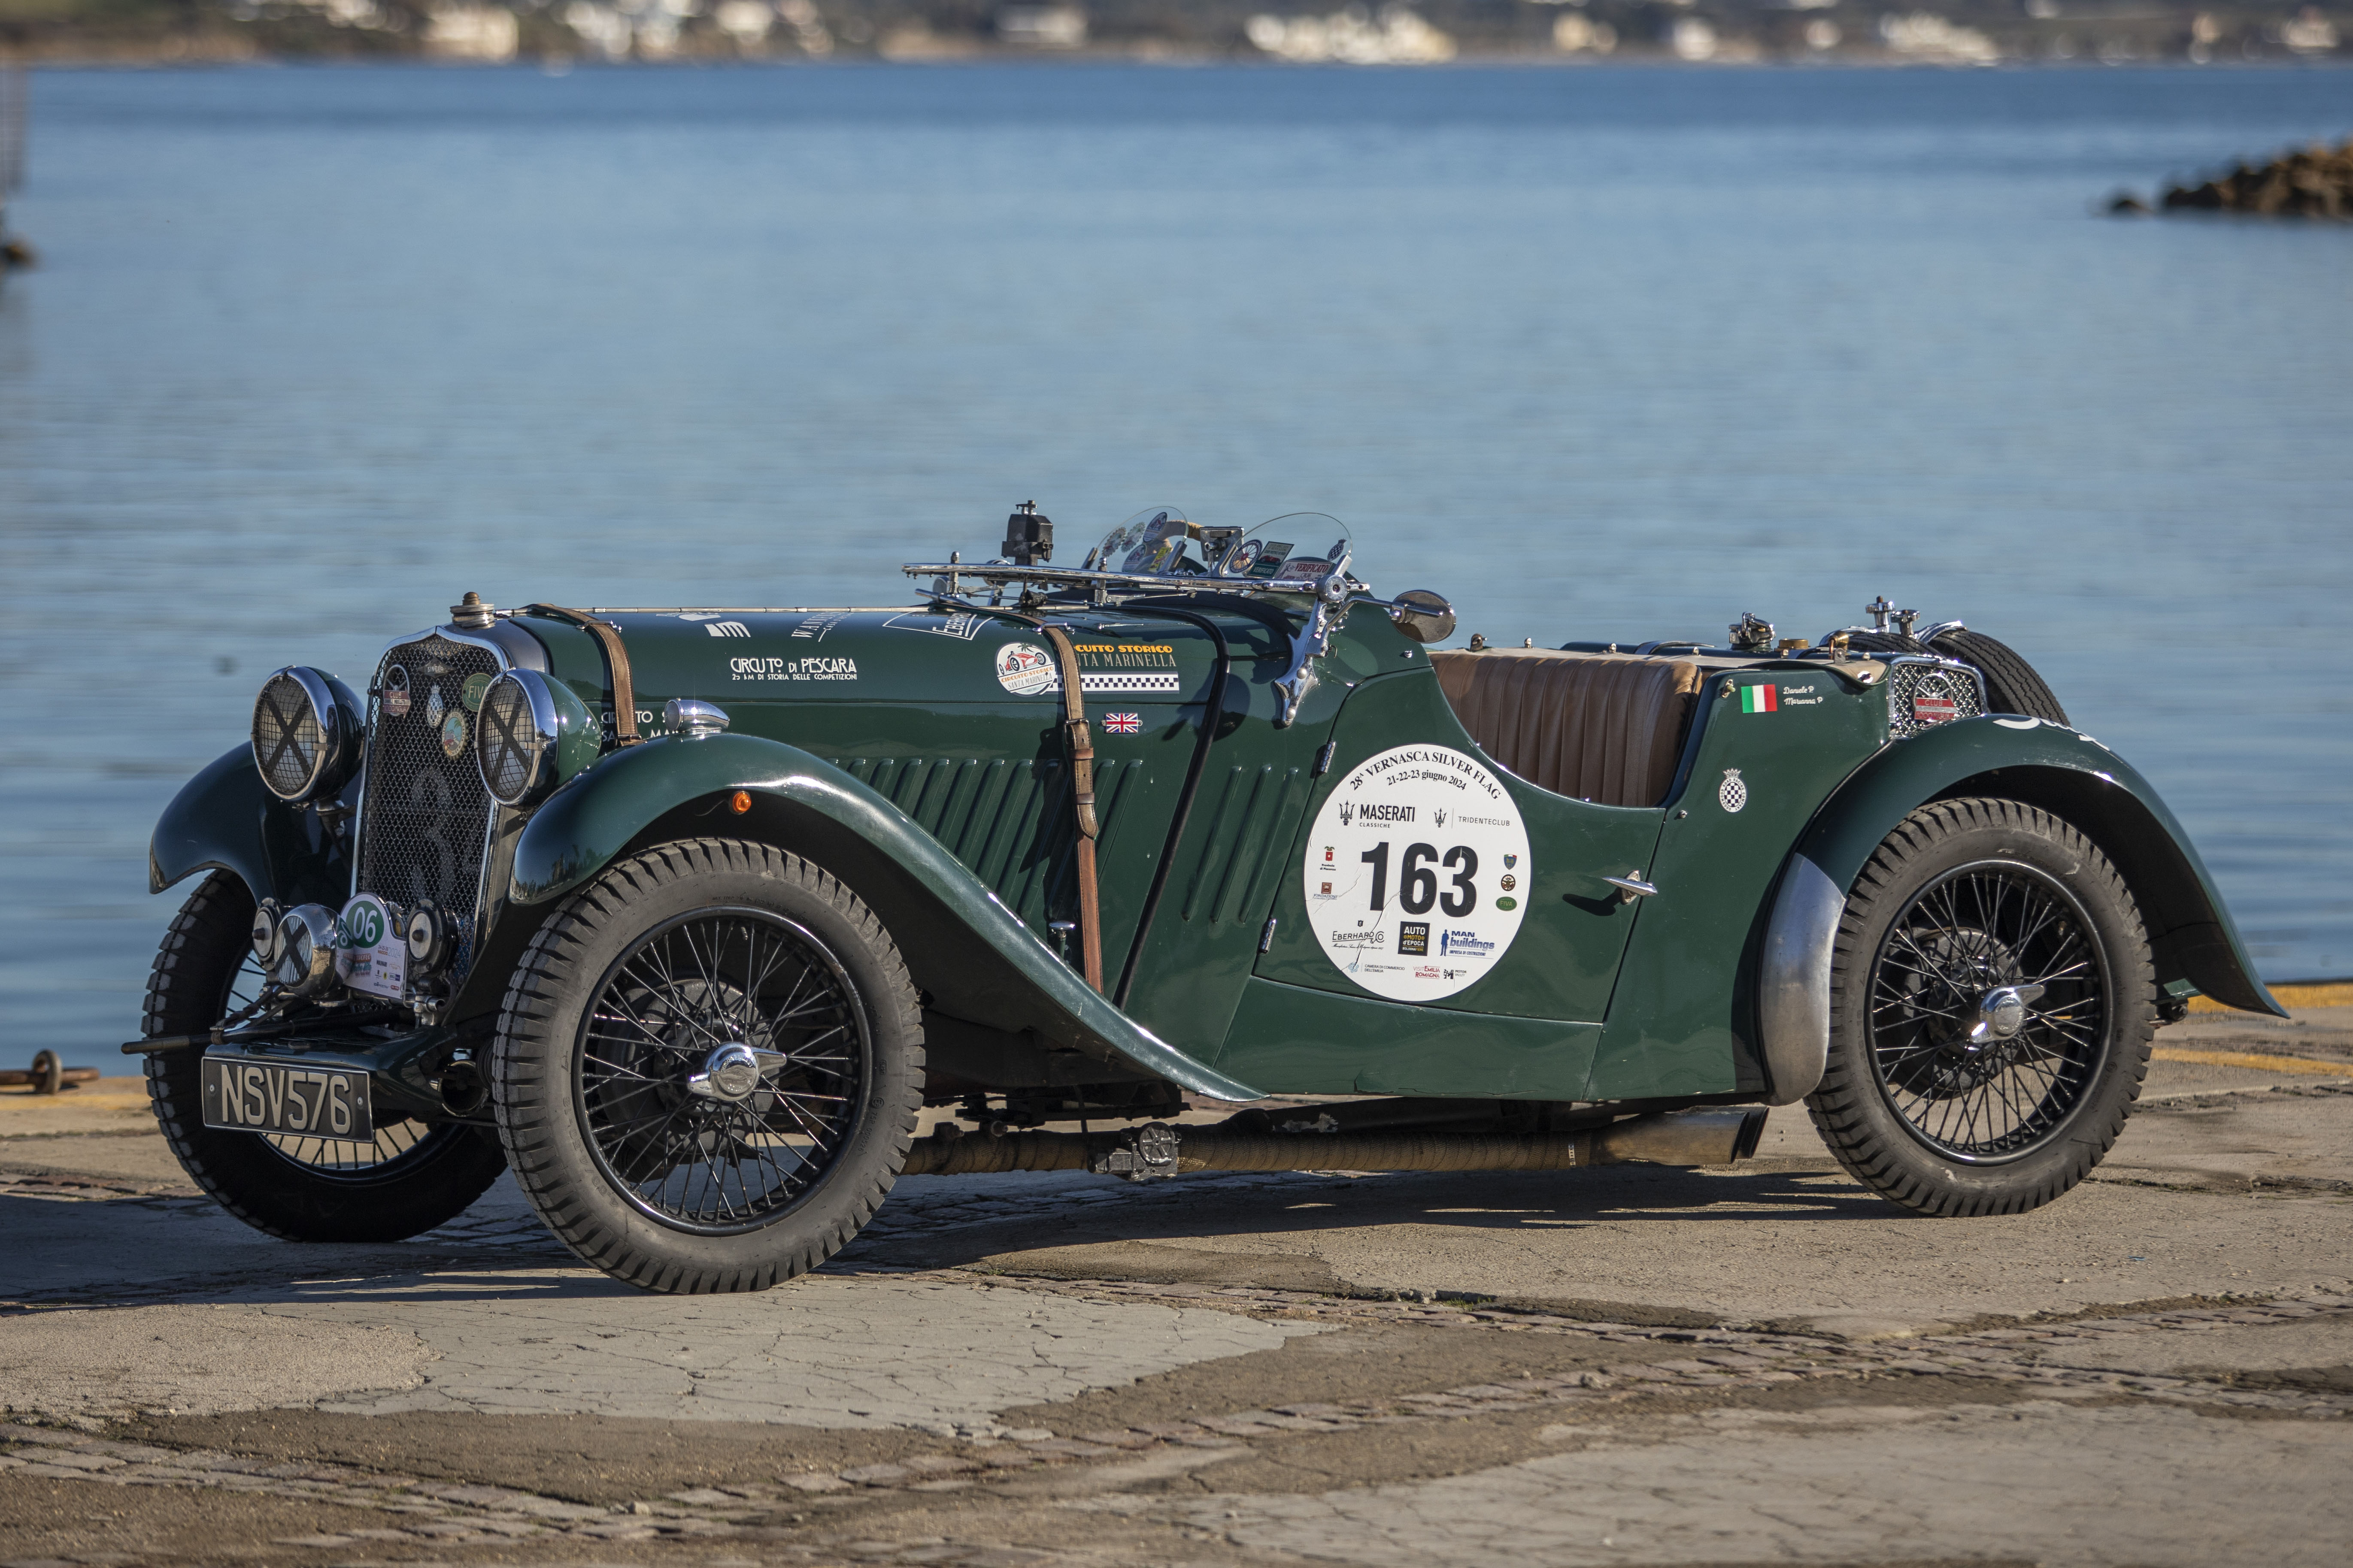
x: 2254, y: 1061
x: 2336, y: 995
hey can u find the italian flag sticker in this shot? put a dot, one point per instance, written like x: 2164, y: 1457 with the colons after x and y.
x: 1764, y: 699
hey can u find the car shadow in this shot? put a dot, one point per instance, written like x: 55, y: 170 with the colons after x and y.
x: 958, y: 1229
x: 137, y: 1251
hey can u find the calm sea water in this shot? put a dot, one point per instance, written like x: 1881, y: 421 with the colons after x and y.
x: 1595, y: 352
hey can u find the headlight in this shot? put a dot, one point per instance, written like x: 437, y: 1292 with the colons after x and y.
x: 306, y: 950
x: 266, y: 916
x: 531, y: 735
x: 306, y: 733
x: 427, y: 935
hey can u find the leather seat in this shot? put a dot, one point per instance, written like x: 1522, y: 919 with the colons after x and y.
x: 1607, y: 728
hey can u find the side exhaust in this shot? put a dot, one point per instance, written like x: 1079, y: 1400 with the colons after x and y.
x: 1712, y: 1137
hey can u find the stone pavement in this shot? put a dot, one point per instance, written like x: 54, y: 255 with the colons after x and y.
x: 1621, y: 1366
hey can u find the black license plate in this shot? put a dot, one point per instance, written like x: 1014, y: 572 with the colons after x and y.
x: 287, y: 1097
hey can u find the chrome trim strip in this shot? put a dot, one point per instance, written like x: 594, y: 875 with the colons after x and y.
x: 1793, y: 981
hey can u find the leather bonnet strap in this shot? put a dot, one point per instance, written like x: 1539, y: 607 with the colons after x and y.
x: 1083, y: 788
x: 616, y: 668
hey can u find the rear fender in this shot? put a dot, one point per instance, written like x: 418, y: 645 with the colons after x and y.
x: 973, y: 955
x: 225, y: 820
x: 2043, y: 764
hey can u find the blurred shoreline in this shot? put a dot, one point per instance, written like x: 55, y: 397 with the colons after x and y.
x: 231, y: 55
x: 559, y: 34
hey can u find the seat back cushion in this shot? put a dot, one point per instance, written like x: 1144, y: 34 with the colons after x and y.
x: 1602, y: 727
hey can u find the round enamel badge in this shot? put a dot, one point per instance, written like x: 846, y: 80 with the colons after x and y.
x: 1025, y: 669
x: 1414, y: 872
x: 453, y: 733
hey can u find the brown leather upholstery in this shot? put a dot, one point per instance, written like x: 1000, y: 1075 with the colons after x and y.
x: 1602, y: 727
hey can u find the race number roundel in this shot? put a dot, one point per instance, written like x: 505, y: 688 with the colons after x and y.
x: 1418, y: 873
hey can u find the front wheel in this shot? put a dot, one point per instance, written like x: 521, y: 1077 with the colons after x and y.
x: 709, y: 1067
x: 1992, y: 1005
x: 404, y: 1181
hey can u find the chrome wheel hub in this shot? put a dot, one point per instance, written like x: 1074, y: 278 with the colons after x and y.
x: 2002, y: 1012
x: 733, y: 1071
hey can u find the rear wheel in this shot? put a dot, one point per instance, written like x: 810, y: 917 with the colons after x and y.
x: 408, y: 1180
x: 1992, y: 1003
x: 709, y: 1067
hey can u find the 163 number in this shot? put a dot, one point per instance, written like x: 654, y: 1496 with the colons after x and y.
x: 1418, y: 885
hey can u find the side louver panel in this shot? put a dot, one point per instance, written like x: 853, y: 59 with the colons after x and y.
x: 1234, y: 870
x: 1010, y: 822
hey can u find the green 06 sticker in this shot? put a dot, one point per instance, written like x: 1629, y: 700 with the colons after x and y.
x: 362, y: 923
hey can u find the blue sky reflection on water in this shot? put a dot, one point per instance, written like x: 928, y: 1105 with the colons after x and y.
x: 1596, y: 353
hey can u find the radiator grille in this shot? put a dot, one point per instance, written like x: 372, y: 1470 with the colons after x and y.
x: 1922, y: 693
x: 426, y: 816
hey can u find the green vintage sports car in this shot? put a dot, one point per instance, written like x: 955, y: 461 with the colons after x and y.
x: 686, y: 916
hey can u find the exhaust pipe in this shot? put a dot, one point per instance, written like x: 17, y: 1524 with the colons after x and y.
x: 1712, y: 1137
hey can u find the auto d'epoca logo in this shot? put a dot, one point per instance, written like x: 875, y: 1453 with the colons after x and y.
x: 814, y: 667
x: 1416, y: 873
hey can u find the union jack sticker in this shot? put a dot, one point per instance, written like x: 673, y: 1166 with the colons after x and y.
x: 1123, y: 723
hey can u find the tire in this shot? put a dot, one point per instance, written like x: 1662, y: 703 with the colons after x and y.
x: 409, y: 1180
x: 2011, y: 684
x: 1880, y: 642
x: 1963, y: 897
x: 631, y: 989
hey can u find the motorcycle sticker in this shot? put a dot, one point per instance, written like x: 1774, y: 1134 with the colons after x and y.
x: 1408, y: 858
x: 1104, y: 669
x: 1025, y: 669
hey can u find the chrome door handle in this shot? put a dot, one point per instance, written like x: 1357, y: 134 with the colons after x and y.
x: 1631, y: 885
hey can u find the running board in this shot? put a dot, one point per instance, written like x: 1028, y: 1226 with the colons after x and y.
x: 1687, y: 1138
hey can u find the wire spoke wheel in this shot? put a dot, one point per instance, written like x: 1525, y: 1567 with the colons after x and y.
x: 411, y: 1177
x: 1989, y: 1011
x: 720, y: 1068
x: 709, y: 1066
x: 1992, y: 1003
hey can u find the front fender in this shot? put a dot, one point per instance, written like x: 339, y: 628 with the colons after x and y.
x: 2061, y: 769
x: 967, y: 947
x: 225, y: 820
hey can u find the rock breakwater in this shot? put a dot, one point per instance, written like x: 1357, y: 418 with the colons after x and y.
x: 2317, y: 181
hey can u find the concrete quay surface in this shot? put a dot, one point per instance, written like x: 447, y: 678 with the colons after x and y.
x: 1757, y: 1364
